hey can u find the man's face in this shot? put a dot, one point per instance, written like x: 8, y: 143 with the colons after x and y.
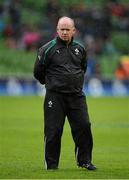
x: 65, y: 30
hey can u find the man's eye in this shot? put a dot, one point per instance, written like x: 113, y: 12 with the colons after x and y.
x: 64, y: 29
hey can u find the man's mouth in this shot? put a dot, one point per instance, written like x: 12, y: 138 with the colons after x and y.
x: 65, y: 37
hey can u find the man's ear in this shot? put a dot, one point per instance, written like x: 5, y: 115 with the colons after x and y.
x: 57, y: 32
x: 74, y: 31
x: 57, y: 29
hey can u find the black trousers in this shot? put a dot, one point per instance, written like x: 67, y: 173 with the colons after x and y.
x: 56, y: 107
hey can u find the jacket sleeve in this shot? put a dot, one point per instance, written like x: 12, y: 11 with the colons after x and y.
x: 84, y: 61
x: 39, y: 67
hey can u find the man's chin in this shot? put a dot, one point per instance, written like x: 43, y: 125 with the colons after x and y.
x: 65, y: 39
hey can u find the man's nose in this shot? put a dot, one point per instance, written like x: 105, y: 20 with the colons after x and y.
x: 65, y: 32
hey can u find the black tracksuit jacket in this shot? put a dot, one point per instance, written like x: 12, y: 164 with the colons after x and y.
x: 61, y: 67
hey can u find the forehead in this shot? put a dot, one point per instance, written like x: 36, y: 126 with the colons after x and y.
x: 65, y: 23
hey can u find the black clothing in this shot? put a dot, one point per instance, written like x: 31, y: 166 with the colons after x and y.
x: 61, y: 67
x: 56, y: 107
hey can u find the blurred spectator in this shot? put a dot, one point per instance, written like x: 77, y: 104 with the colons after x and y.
x: 78, y: 37
x: 93, y: 65
x: 47, y: 30
x: 117, y: 9
x: 122, y: 71
x: 12, y: 14
x: 78, y: 11
x: 52, y: 10
x: 109, y: 48
x: 31, y: 37
x: 2, y: 23
x: 31, y: 40
x: 101, y: 22
x: 15, y: 19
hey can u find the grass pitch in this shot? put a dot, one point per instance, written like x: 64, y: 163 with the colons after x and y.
x: 21, y: 140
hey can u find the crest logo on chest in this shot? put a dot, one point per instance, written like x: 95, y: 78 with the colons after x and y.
x: 58, y: 51
x: 76, y: 51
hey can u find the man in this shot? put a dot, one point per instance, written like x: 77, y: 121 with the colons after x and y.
x: 60, y: 65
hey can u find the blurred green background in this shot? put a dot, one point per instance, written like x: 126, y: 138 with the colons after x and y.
x: 102, y: 26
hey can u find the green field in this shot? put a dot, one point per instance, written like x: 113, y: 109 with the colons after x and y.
x: 21, y: 140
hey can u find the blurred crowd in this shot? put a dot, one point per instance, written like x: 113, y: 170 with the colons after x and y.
x: 94, y: 26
